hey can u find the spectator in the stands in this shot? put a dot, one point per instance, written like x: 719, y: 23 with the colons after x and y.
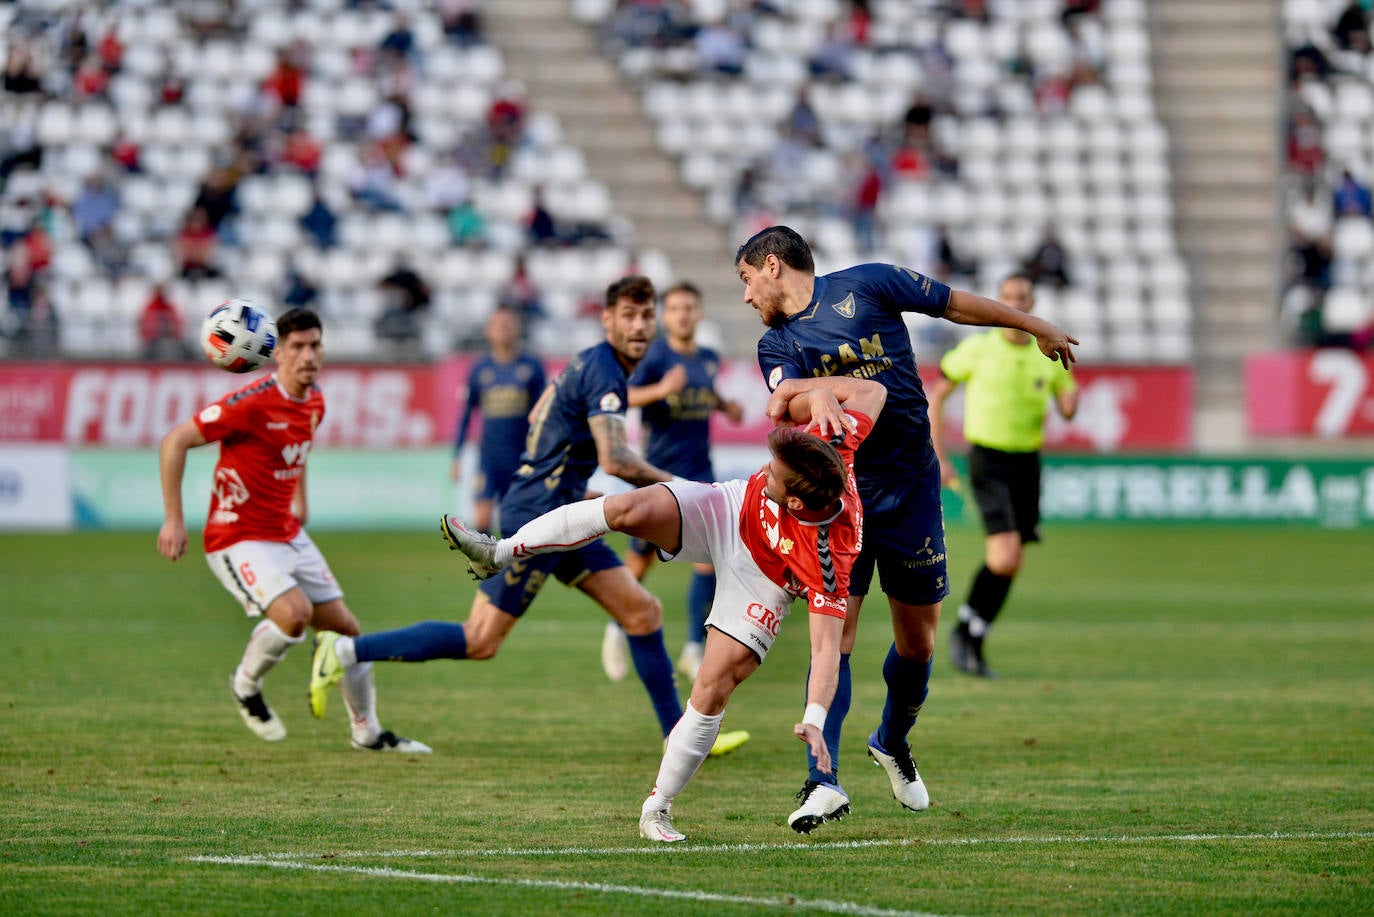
x: 1350, y: 196
x: 1049, y: 263
x: 196, y: 246
x: 161, y: 329
x: 1306, y: 150
x: 522, y: 294
x: 461, y: 21
x: 1353, y: 19
x: 285, y: 84
x: 720, y: 49
x: 22, y: 70
x: 95, y: 206
x: 540, y: 226
x: 407, y: 298
x: 319, y: 221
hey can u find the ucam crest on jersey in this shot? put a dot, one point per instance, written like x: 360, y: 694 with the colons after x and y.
x: 774, y: 377
x: 610, y: 402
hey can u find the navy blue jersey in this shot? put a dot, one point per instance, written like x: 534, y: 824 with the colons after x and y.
x: 560, y: 453
x: 679, y: 426
x: 504, y: 393
x: 853, y: 325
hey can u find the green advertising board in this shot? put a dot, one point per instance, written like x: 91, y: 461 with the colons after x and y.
x: 1331, y: 493
x: 408, y: 489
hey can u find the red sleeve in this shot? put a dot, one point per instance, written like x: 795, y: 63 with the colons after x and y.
x: 220, y: 419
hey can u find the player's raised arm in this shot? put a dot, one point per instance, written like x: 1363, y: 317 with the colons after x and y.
x: 938, y: 393
x: 826, y: 631
x: 820, y: 400
x: 967, y: 308
x: 171, y: 538
x: 614, y: 455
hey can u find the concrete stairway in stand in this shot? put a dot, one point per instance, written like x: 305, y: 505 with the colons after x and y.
x: 1218, y: 71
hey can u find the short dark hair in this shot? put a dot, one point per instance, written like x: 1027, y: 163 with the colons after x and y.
x: 818, y: 473
x: 683, y: 286
x: 297, y: 320
x: 636, y: 288
x: 782, y: 241
x: 1018, y: 275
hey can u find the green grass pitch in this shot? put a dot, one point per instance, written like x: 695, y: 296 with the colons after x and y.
x: 1185, y: 725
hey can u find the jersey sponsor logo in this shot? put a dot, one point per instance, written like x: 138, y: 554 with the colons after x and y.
x: 764, y: 618
x: 845, y: 307
x: 610, y: 403
x: 774, y: 377
x: 295, y: 453
x: 229, y: 492
x: 211, y: 414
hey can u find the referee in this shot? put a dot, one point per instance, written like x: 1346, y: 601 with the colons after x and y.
x: 1009, y: 387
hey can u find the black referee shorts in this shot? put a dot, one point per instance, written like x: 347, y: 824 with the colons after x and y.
x: 1007, y: 488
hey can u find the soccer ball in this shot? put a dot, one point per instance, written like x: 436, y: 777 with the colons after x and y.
x: 238, y: 336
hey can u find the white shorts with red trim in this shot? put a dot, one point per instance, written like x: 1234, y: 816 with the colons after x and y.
x: 748, y: 605
x: 258, y: 572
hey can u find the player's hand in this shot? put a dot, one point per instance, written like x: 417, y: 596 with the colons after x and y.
x: 827, y: 417
x: 171, y: 539
x: 949, y: 475
x: 1055, y: 344
x: 733, y: 410
x: 674, y: 380
x: 813, y: 738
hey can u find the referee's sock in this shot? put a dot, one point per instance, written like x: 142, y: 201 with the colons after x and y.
x: 985, y: 600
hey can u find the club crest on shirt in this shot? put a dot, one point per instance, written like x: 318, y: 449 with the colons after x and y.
x: 845, y: 306
x: 610, y: 402
x: 211, y: 414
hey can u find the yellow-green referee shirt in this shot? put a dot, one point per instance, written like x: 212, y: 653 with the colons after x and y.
x: 1007, y: 389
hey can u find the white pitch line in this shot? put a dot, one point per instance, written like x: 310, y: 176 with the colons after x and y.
x: 678, y: 849
x: 789, y: 902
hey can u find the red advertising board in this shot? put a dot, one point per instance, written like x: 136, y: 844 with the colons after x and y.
x: 1325, y: 393
x: 395, y: 407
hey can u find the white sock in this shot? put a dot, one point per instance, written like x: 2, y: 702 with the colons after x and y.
x: 343, y: 648
x: 566, y: 527
x: 977, y: 627
x: 360, y: 696
x: 688, y: 745
x: 267, y: 646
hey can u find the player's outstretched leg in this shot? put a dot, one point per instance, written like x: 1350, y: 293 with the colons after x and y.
x: 325, y: 671
x: 477, y: 546
x: 615, y: 652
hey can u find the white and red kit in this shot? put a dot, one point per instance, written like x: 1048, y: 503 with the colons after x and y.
x: 264, y: 436
x: 811, y: 559
x: 765, y: 556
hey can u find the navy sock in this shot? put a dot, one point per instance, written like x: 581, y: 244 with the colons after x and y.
x: 416, y: 643
x: 908, y: 683
x: 655, y: 669
x: 700, y: 594
x: 834, y: 725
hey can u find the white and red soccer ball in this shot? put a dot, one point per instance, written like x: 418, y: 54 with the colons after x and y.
x: 238, y: 336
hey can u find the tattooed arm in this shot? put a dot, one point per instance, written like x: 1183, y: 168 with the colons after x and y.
x: 614, y: 455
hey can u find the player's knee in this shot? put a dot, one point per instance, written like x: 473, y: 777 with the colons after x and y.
x: 481, y: 645
x: 643, y: 615
x: 1005, y: 563
x: 291, y: 614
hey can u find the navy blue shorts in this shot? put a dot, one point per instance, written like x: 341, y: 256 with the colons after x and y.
x: 492, y: 481
x: 517, y: 585
x: 906, y: 545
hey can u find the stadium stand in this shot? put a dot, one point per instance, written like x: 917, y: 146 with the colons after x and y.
x: 965, y: 139
x: 290, y: 152
x: 1329, y: 154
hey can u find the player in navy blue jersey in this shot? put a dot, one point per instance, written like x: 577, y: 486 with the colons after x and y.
x: 503, y: 385
x: 851, y: 322
x: 577, y: 426
x: 675, y: 386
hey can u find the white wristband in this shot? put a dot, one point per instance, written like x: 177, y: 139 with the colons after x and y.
x: 814, y: 716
